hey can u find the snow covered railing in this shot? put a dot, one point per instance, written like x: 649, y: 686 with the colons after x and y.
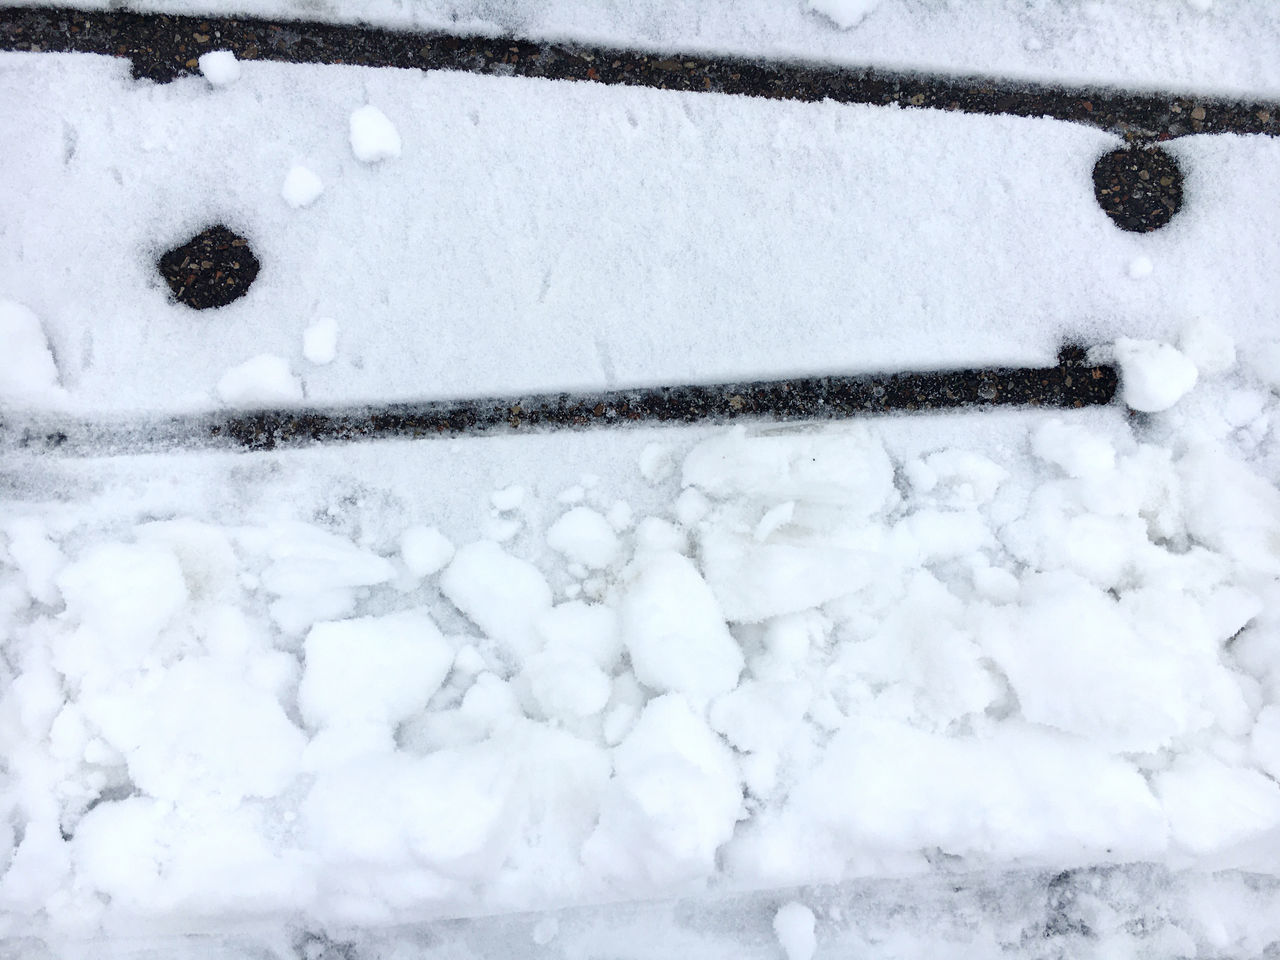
x: 1073, y: 383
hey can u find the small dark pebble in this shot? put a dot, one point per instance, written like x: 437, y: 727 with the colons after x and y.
x: 212, y: 269
x: 1139, y: 188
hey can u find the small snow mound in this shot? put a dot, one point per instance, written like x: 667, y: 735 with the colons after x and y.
x: 501, y: 594
x: 1077, y: 450
x: 845, y: 14
x: 1153, y: 376
x: 794, y: 926
x: 220, y: 68
x: 373, y: 136
x: 301, y: 187
x: 320, y: 341
x: 584, y: 536
x: 27, y: 370
x: 260, y: 381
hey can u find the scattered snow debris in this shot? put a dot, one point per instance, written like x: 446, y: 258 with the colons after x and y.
x: 220, y: 67
x: 425, y: 550
x: 260, y: 381
x: 674, y: 631
x: 1153, y: 376
x: 508, y: 499
x: 1140, y: 268
x: 27, y: 371
x: 373, y: 136
x: 794, y: 926
x: 584, y: 536
x: 320, y: 341
x: 545, y: 930
x: 499, y: 593
x: 1208, y: 346
x: 301, y: 187
x: 845, y: 14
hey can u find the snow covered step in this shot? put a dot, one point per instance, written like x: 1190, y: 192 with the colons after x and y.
x: 535, y: 236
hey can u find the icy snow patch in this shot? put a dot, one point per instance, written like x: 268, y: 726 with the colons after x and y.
x: 260, y: 381
x: 373, y: 136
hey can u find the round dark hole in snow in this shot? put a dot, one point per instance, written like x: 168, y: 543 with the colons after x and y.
x: 212, y: 269
x: 1140, y: 188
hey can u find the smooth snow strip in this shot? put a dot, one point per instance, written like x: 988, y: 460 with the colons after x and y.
x: 537, y: 236
x: 1198, y: 45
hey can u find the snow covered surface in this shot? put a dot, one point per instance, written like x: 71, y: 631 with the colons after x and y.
x: 543, y: 236
x: 1200, y: 45
x: 853, y: 689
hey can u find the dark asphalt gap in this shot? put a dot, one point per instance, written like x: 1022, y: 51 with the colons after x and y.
x: 1072, y: 384
x: 162, y: 47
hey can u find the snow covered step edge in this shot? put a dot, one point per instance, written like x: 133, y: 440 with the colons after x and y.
x: 1070, y: 385
x: 163, y: 47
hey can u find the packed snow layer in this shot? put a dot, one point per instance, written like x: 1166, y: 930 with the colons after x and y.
x: 1050, y: 644
x: 541, y: 236
x: 1200, y: 45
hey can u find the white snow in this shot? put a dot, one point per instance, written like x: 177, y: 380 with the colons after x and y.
x: 584, y: 536
x: 260, y: 381
x: 220, y: 67
x: 374, y: 137
x: 845, y: 14
x: 27, y: 371
x: 1154, y: 376
x: 794, y: 926
x: 425, y: 550
x: 302, y: 187
x: 320, y: 341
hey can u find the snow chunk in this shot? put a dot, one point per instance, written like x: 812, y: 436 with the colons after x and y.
x: 794, y: 926
x: 301, y: 187
x: 566, y: 686
x: 200, y: 730
x: 320, y: 341
x: 1140, y: 267
x: 259, y: 382
x: 220, y: 68
x: 1078, y: 451
x: 27, y: 371
x: 499, y: 593
x: 584, y: 536
x: 847, y: 467
x: 1212, y: 806
x: 845, y: 14
x: 373, y: 136
x: 673, y: 629
x: 673, y: 801
x: 425, y: 550
x: 372, y: 669
x: 1153, y: 376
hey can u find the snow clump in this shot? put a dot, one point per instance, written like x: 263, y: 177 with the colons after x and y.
x: 260, y: 381
x: 1153, y: 376
x: 220, y: 67
x: 302, y: 187
x: 373, y: 136
x: 27, y: 370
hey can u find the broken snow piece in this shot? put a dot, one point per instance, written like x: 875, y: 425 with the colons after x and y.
x: 1153, y: 376
x: 302, y: 187
x: 793, y: 924
x: 320, y: 341
x: 220, y: 68
x: 373, y: 137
